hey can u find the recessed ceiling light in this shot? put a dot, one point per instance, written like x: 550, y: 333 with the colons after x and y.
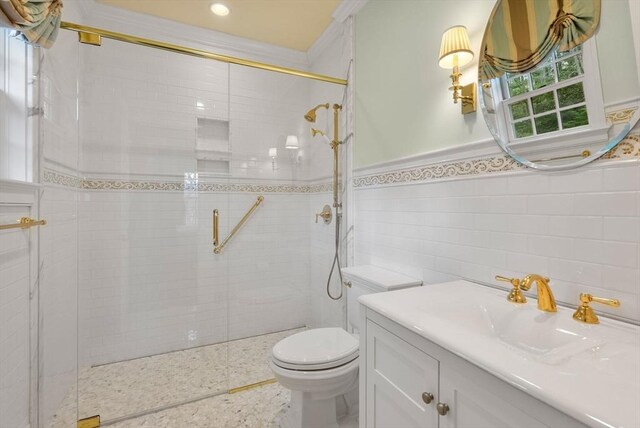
x: 219, y: 9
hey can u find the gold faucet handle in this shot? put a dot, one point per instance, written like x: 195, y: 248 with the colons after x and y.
x: 515, y: 296
x: 585, y: 313
x: 514, y: 281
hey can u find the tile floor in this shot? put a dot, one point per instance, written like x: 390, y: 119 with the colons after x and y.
x: 132, y: 387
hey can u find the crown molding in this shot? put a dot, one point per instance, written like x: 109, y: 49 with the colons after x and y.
x: 142, y: 25
x: 326, y: 39
x: 344, y: 10
x: 347, y: 8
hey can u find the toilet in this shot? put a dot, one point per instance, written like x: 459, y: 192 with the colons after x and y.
x: 320, y: 366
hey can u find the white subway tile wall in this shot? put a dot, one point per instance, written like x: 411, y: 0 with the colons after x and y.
x: 581, y: 228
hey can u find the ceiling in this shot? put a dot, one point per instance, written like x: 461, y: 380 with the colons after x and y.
x: 294, y: 24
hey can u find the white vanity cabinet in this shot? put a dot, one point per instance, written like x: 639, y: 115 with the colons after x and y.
x: 405, y: 377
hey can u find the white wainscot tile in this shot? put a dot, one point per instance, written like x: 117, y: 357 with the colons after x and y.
x: 550, y: 246
x: 527, y: 184
x: 607, y: 204
x: 529, y: 224
x: 550, y: 204
x: 576, y: 181
x: 575, y: 226
x: 622, y: 229
x: 574, y: 271
x: 620, y: 254
x: 622, y: 178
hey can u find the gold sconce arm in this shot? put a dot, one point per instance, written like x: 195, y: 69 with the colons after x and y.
x: 217, y: 249
x: 23, y: 223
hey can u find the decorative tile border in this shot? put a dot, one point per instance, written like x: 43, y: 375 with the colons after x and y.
x: 187, y: 186
x: 629, y: 148
x: 60, y: 179
x: 621, y: 116
x: 54, y: 177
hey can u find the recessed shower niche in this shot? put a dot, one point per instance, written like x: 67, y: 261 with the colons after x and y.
x: 212, y: 146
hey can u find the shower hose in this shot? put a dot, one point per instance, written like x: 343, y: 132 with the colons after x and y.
x: 336, y: 258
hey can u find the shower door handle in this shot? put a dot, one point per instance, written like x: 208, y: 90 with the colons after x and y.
x: 215, y: 228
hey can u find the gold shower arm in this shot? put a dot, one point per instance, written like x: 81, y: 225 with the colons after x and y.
x: 217, y: 249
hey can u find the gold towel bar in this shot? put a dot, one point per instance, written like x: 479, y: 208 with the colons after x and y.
x: 584, y: 154
x: 217, y: 249
x: 23, y: 223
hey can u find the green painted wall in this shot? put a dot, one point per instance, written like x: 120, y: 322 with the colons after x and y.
x: 402, y: 104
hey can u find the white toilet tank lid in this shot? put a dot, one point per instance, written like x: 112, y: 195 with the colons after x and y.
x: 378, y: 278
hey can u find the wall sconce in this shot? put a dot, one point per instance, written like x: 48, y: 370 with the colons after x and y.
x: 454, y: 53
x: 273, y: 154
x: 292, y: 142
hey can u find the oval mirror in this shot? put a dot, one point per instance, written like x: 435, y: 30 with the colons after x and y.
x: 574, y: 102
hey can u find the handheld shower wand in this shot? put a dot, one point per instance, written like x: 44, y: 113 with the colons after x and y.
x: 335, y: 146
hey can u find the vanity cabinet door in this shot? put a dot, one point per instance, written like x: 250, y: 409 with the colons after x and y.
x: 479, y: 400
x: 398, y: 374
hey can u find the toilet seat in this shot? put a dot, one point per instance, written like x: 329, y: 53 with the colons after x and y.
x: 316, y: 349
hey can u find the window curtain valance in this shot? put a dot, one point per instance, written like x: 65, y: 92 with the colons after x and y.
x: 36, y: 21
x: 521, y: 33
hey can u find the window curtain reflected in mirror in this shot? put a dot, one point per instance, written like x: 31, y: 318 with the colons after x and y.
x: 35, y: 21
x: 521, y: 33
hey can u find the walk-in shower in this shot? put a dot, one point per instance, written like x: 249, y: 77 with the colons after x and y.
x: 164, y: 317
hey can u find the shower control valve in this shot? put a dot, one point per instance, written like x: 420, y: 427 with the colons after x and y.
x: 326, y: 214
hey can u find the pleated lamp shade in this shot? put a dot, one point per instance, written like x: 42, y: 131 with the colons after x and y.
x: 455, y: 49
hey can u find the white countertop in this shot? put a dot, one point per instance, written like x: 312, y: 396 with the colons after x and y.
x: 590, y: 372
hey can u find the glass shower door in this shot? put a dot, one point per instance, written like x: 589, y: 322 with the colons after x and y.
x: 152, y: 295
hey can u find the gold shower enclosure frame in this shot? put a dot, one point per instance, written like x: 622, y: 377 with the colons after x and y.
x: 93, y: 36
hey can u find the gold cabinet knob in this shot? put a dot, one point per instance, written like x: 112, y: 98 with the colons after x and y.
x: 427, y: 397
x: 584, y: 313
x: 515, y: 296
x: 443, y: 408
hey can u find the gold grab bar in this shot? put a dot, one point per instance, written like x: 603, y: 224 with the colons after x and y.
x: 23, y: 223
x: 217, y: 249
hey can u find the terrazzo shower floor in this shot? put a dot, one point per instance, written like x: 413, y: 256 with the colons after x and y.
x: 144, y: 385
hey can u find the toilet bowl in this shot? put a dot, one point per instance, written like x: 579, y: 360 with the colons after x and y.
x: 320, y: 366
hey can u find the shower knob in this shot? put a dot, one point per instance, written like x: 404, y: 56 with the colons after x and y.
x: 325, y: 214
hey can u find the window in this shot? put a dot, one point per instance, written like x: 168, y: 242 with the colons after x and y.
x: 16, y: 132
x: 560, y: 96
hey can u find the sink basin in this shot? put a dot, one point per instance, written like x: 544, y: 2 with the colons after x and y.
x: 546, y: 337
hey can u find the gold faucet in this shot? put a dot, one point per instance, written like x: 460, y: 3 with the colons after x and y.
x: 585, y: 313
x: 546, y: 301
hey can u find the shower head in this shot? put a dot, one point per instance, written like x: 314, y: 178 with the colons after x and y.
x: 311, y: 114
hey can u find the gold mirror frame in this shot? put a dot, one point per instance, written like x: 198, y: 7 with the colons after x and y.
x: 619, y: 121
